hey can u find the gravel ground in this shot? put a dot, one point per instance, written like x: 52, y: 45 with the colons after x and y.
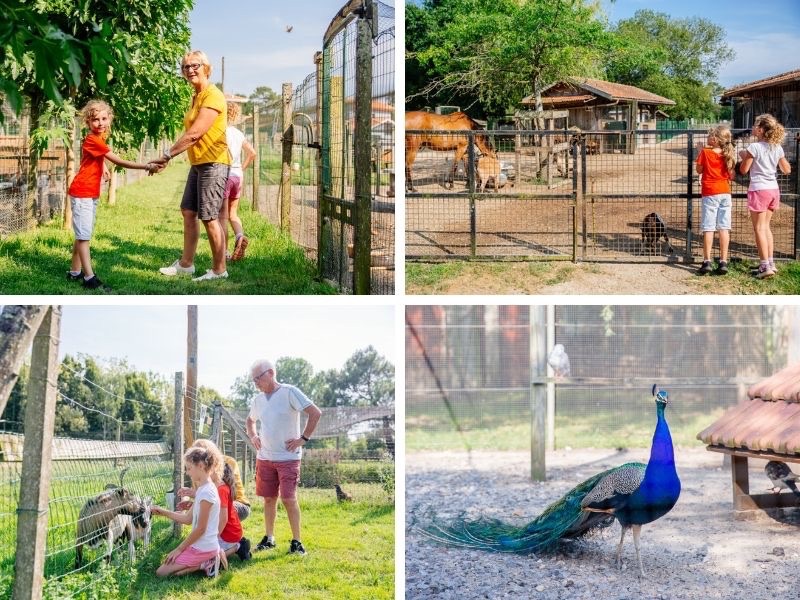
x: 696, y: 551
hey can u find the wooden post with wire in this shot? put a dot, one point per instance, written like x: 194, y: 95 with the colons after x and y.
x: 538, y: 362
x: 190, y: 392
x: 177, y: 462
x: 32, y: 509
x: 257, y: 162
x: 287, y: 142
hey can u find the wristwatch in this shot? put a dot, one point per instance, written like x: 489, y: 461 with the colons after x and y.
x: 305, y: 438
x: 167, y: 155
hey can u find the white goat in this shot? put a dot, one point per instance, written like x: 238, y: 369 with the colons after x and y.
x: 131, y: 527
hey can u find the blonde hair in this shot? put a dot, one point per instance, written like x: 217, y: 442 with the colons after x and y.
x: 212, y: 449
x: 210, y: 460
x: 723, y: 134
x: 92, y: 108
x: 773, y: 131
x: 203, y: 59
x: 233, y: 111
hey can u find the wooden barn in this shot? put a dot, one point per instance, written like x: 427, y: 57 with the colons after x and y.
x: 766, y: 426
x: 593, y: 103
x: 778, y: 95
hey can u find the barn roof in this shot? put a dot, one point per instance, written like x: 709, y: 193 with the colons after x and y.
x: 779, y: 79
x: 768, y: 421
x: 588, y: 90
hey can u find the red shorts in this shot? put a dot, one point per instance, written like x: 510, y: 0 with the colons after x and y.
x: 763, y: 200
x: 274, y: 476
x: 233, y: 189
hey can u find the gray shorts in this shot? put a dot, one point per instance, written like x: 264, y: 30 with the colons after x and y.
x: 205, y: 190
x: 84, y: 211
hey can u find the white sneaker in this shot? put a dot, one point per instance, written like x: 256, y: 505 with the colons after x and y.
x: 176, y: 269
x: 211, y: 275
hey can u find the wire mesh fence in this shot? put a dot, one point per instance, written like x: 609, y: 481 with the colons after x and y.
x: 316, y: 158
x: 471, y: 371
x: 575, y: 195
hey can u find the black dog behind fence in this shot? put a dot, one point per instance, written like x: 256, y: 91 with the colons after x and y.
x: 591, y: 196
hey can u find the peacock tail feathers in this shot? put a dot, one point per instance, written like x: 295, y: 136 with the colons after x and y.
x: 563, y: 519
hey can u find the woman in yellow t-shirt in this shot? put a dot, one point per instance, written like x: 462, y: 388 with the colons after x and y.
x: 204, y: 195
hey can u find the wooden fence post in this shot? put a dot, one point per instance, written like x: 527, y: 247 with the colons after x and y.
x: 538, y: 368
x: 257, y: 161
x: 35, y: 478
x: 177, y: 459
x: 318, y: 139
x: 286, y: 158
x: 190, y: 395
x: 362, y: 153
x: 18, y: 326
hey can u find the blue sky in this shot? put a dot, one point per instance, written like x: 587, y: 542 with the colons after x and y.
x: 252, y: 37
x: 230, y: 338
x: 764, y: 33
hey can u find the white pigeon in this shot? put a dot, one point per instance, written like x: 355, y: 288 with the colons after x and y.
x: 559, y: 360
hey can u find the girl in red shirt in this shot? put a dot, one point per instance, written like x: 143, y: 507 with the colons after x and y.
x: 84, y: 191
x: 716, y: 164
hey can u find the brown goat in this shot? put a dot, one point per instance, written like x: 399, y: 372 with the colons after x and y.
x: 98, y: 512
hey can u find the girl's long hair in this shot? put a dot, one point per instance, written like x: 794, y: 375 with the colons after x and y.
x: 773, y: 130
x: 723, y: 135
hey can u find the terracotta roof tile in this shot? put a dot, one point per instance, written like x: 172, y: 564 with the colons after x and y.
x: 769, y: 421
x: 742, y: 88
x: 598, y: 88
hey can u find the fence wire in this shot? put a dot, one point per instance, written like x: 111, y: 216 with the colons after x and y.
x: 485, y: 357
x: 575, y: 195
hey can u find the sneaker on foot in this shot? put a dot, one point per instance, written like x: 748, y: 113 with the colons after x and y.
x: 765, y: 272
x: 722, y: 268
x: 176, y: 269
x: 94, y: 283
x: 241, y: 246
x: 296, y: 547
x: 266, y: 543
x: 77, y: 278
x: 705, y: 268
x: 243, y: 551
x: 211, y: 275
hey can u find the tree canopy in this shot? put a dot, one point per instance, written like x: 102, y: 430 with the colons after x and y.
x: 468, y: 52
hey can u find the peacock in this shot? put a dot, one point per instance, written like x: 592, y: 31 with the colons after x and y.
x: 634, y: 493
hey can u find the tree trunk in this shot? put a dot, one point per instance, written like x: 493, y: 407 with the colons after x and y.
x: 71, y: 170
x: 36, y: 102
x: 18, y: 325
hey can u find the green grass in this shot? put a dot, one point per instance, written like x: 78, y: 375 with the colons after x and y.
x: 350, y: 555
x: 144, y: 231
x: 605, y: 430
x: 787, y: 281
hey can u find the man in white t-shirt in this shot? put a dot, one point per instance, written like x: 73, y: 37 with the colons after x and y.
x: 279, y: 446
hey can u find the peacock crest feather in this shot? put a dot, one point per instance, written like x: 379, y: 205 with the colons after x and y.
x: 633, y: 493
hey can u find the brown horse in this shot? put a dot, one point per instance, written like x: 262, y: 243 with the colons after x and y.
x: 458, y: 121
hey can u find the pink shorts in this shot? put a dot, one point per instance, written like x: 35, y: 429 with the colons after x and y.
x: 272, y: 476
x: 233, y: 189
x: 192, y: 557
x: 763, y: 200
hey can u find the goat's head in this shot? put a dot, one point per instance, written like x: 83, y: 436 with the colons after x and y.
x: 142, y: 520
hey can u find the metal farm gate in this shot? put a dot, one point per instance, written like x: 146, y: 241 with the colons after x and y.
x: 356, y: 245
x: 571, y: 195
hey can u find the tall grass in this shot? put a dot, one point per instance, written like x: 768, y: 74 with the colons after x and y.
x: 144, y: 231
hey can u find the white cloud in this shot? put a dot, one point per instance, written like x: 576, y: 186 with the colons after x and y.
x: 759, y: 56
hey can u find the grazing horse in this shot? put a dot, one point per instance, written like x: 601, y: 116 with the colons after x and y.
x: 458, y: 121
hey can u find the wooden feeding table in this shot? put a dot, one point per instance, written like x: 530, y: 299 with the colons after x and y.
x: 766, y: 426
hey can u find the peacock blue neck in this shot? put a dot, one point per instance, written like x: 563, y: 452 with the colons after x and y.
x: 661, y: 451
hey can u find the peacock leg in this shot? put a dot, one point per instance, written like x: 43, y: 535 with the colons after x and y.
x: 637, y: 531
x: 619, y: 547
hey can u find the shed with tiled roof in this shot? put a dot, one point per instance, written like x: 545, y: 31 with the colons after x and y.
x: 594, y: 105
x: 765, y: 426
x: 778, y: 95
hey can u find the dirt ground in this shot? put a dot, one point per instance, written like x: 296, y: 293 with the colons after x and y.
x: 557, y: 278
x: 698, y: 551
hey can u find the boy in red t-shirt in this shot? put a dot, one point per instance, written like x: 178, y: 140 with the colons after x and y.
x: 84, y: 191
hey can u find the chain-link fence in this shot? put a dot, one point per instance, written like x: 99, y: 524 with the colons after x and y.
x: 472, y: 371
x: 17, y: 212
x: 576, y: 195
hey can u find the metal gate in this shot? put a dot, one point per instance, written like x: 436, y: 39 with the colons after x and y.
x: 569, y: 195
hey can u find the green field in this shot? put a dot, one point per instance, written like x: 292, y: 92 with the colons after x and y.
x: 144, y: 231
x: 350, y: 546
